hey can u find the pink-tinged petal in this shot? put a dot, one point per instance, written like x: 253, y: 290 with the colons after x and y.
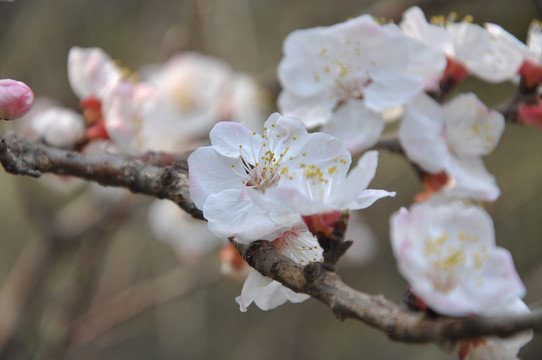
x: 125, y: 109
x: 448, y: 255
x: 471, y: 179
x: 232, y: 213
x: 420, y: 134
x: 498, y: 282
x: 313, y: 111
x: 356, y: 125
x: 266, y: 293
x: 16, y: 99
x: 496, y: 348
x: 211, y: 172
x: 59, y: 127
x: 301, y: 71
x: 471, y: 128
x: 91, y: 71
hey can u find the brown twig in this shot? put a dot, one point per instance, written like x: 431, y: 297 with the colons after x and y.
x: 21, y: 157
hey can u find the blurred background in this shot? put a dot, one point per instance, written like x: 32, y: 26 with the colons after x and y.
x: 83, y: 277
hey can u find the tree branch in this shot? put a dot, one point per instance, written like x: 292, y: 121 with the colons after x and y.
x: 376, y: 311
x: 20, y: 156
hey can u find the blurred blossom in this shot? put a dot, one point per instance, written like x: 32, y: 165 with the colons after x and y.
x: 203, y: 91
x: 452, y: 138
x: 494, y: 347
x: 60, y: 127
x: 448, y: 255
x: 345, y: 75
x: 469, y: 47
x: 178, y: 104
x: 16, y: 99
x: 232, y: 264
x: 189, y: 237
x: 530, y: 55
x: 91, y: 71
x: 365, y: 246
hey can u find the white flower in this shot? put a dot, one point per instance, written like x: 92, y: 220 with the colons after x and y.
x: 203, y: 91
x: 345, y: 75
x: 138, y: 120
x: 496, y: 348
x: 469, y: 44
x: 326, y: 187
x: 532, y: 51
x: 453, y: 138
x: 60, y: 127
x: 91, y: 71
x: 448, y: 256
x: 241, y: 163
x: 299, y: 245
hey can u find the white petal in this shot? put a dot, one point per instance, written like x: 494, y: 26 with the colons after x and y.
x: 483, y: 55
x: 415, y: 25
x: 471, y: 128
x: 534, y: 40
x: 356, y: 125
x: 420, y: 134
x: 301, y: 71
x: 325, y: 152
x: 212, y: 173
x: 471, y: 179
x: 389, y: 89
x: 233, y: 213
x: 59, y: 126
x: 495, y: 348
x: 233, y: 139
x: 448, y: 255
x: 285, y: 135
x: 266, y: 293
x: 313, y: 111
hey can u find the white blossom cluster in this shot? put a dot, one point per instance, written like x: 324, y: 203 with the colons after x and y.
x: 343, y: 81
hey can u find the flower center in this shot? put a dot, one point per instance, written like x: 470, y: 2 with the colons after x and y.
x: 267, y: 168
x: 299, y: 245
x: 264, y: 175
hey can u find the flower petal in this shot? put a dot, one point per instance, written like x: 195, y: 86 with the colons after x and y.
x: 356, y: 125
x: 266, y: 293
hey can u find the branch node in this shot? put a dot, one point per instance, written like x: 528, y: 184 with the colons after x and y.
x: 312, y: 271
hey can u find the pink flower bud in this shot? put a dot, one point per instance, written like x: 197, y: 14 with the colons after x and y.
x: 16, y: 99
